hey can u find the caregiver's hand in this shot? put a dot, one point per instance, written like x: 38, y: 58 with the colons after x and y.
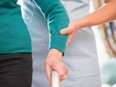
x: 71, y: 30
x: 54, y: 62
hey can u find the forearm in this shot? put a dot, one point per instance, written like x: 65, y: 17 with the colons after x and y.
x: 57, y: 19
x: 103, y: 14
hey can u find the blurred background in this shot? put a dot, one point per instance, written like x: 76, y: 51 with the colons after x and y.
x: 105, y: 35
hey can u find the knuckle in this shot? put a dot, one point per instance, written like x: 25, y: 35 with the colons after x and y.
x: 62, y: 74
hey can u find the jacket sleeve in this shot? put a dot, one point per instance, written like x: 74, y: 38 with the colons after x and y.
x: 57, y: 19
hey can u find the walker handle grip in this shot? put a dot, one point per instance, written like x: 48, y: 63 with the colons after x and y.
x: 55, y: 79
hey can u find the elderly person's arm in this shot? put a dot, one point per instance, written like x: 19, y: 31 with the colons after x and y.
x: 57, y: 19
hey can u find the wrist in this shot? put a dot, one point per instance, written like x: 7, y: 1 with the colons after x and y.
x: 83, y: 22
x: 55, y: 52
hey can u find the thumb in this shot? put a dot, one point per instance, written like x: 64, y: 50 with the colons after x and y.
x: 66, y: 30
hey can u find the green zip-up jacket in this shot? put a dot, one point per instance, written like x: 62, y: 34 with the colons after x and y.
x: 14, y: 35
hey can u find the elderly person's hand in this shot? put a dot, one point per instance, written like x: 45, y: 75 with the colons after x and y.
x: 54, y: 62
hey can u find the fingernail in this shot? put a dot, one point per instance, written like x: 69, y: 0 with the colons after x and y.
x: 61, y: 31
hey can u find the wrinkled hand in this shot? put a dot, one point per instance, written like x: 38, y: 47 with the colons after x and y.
x: 54, y: 62
x: 70, y: 30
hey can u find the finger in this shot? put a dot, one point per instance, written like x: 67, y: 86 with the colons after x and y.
x: 69, y: 38
x: 63, y: 74
x: 62, y: 70
x: 48, y: 73
x: 66, y: 70
x: 66, y: 30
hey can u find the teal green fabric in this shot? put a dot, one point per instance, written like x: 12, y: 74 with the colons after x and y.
x: 108, y: 72
x: 14, y: 36
x: 57, y: 19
